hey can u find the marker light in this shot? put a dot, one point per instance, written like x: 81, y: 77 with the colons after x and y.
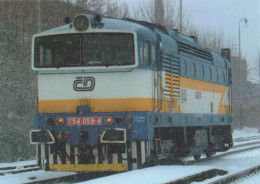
x: 58, y: 136
x: 119, y: 120
x: 60, y: 121
x: 50, y: 121
x: 81, y: 22
x: 65, y: 136
x: 225, y: 53
x: 109, y: 120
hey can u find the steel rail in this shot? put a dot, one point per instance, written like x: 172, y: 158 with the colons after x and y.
x: 17, y: 167
x: 236, y: 176
x: 220, y: 155
x: 214, y: 172
x: 18, y: 171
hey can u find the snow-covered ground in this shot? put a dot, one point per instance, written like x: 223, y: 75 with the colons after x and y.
x: 36, y: 175
x: 165, y: 174
x: 18, y: 164
x: 245, y: 132
x: 158, y: 174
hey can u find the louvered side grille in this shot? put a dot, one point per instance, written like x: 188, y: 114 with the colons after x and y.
x: 171, y: 66
x: 195, y: 51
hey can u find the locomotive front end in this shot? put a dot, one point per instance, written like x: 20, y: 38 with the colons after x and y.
x: 87, y: 88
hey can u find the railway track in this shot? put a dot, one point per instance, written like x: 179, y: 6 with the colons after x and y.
x: 235, y: 149
x: 243, y: 139
x: 18, y: 169
x: 53, y: 180
x: 234, y: 177
x: 197, y: 177
x: 218, y: 172
x: 242, y: 147
x: 73, y: 178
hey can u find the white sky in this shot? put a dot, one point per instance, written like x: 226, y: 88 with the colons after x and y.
x: 224, y: 16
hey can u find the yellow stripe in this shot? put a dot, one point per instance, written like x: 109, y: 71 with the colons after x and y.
x: 201, y: 85
x: 88, y: 167
x: 209, y: 87
x: 96, y: 105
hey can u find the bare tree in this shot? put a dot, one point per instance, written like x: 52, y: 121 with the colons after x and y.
x: 125, y: 10
x: 214, y: 40
x: 109, y: 8
x: 146, y: 12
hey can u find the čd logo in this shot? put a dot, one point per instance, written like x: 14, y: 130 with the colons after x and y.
x: 84, y: 84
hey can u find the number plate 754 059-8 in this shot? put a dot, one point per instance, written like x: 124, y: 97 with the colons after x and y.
x: 78, y: 121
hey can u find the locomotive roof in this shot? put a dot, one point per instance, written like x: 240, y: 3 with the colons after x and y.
x: 150, y: 31
x: 138, y: 26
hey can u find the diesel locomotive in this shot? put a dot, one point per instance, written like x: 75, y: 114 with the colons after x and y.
x: 119, y: 94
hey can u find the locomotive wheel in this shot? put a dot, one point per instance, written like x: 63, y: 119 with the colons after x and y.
x: 174, y: 154
x: 152, y: 160
x: 210, y: 153
x: 197, y: 157
x: 178, y: 159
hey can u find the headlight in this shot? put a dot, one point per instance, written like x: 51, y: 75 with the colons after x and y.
x: 109, y: 120
x: 119, y: 120
x: 50, y: 121
x: 81, y: 22
x: 60, y: 121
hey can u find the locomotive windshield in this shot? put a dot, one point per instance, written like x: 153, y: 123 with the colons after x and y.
x: 94, y: 49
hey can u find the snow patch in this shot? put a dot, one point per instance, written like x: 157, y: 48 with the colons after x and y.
x: 245, y: 132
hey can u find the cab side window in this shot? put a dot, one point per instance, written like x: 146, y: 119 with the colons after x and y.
x: 144, y: 53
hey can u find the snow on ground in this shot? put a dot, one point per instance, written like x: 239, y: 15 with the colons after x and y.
x: 166, y: 174
x: 245, y: 132
x: 252, y: 179
x: 151, y: 175
x: 234, y: 163
x: 24, y: 177
x: 18, y: 164
x: 154, y: 175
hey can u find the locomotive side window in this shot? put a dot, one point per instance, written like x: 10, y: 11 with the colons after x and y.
x: 144, y: 53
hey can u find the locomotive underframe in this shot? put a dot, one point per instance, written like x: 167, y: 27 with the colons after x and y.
x: 158, y: 142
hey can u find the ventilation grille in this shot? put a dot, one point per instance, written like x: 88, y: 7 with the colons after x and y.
x: 195, y: 51
x: 171, y: 66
